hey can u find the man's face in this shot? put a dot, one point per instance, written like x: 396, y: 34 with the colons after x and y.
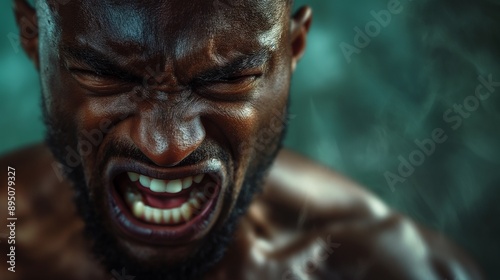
x: 165, y: 113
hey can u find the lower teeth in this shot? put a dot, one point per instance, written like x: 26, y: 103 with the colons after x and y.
x: 183, y: 213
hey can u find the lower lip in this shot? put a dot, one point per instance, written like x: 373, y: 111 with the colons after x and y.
x: 160, y: 234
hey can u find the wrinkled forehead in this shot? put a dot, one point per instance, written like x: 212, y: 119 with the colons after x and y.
x: 150, y: 26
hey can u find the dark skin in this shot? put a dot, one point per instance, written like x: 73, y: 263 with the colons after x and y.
x: 218, y: 80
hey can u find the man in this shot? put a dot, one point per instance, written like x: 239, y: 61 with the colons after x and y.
x: 166, y: 119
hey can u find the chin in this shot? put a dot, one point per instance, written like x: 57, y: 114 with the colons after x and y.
x: 159, y: 223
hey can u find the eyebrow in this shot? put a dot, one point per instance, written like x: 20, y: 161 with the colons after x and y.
x: 235, y: 67
x: 96, y: 60
x: 103, y: 64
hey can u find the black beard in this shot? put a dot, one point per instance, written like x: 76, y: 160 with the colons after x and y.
x: 104, y: 243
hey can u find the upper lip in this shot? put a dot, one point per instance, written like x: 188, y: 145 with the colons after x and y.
x: 211, y: 167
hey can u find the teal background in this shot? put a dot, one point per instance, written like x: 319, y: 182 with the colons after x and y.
x: 359, y: 117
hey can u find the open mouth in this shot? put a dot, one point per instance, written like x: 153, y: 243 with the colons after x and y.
x: 165, y: 206
x: 166, y: 202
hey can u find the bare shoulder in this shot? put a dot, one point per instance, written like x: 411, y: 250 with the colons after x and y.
x: 318, y: 210
x: 48, y: 232
x: 316, y: 193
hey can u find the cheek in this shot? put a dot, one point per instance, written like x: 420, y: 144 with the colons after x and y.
x: 62, y: 96
x: 97, y: 121
x: 249, y: 128
x: 84, y: 119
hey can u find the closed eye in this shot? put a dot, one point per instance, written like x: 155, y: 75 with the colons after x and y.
x: 99, y: 81
x: 236, y: 79
x: 229, y: 85
x: 90, y: 73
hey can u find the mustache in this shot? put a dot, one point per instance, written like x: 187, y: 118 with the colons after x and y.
x: 207, y: 150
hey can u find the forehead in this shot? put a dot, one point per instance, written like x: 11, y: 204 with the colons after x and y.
x: 154, y: 28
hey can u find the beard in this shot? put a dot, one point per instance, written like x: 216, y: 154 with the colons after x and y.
x: 104, y: 243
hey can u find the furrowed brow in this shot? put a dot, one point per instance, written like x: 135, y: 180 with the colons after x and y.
x: 97, y: 61
x: 235, y: 67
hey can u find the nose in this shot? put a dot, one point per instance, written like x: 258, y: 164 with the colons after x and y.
x: 167, y: 139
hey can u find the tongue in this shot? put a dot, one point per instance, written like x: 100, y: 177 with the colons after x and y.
x: 164, y: 202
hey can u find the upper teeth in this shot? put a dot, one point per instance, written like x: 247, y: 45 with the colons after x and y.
x: 168, y: 186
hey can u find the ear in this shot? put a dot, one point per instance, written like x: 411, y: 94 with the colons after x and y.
x: 27, y: 22
x: 301, y: 22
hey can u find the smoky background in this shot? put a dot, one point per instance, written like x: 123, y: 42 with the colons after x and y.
x: 360, y: 104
